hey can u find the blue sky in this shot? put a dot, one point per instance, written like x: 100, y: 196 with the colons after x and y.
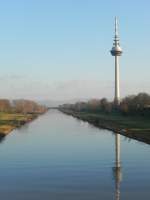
x: 59, y: 49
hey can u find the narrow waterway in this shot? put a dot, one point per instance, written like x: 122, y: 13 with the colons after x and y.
x: 57, y: 157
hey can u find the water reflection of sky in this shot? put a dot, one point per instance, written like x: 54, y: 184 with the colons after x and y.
x: 59, y: 157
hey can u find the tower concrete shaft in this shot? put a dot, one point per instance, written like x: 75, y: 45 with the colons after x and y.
x: 116, y: 51
x: 117, y: 81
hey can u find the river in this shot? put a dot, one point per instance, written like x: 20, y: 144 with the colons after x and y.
x: 57, y: 157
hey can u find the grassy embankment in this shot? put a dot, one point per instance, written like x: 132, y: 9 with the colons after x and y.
x: 130, y: 126
x: 10, y: 121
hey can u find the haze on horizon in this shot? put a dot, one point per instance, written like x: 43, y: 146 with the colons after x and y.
x: 59, y: 50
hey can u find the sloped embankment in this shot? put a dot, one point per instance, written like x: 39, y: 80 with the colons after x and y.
x: 10, y: 121
x: 133, y: 127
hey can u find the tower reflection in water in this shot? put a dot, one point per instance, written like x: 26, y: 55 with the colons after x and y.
x: 117, y: 169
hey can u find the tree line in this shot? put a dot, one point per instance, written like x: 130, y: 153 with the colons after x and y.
x: 131, y: 105
x: 21, y: 106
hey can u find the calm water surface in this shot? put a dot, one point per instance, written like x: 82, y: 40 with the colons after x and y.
x: 57, y: 157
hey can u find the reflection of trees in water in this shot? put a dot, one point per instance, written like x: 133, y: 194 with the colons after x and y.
x: 24, y: 128
x: 138, y: 137
x: 117, y: 169
x: 87, y: 124
x: 2, y: 137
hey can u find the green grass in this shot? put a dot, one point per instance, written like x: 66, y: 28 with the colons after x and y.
x: 9, y: 121
x: 132, y: 122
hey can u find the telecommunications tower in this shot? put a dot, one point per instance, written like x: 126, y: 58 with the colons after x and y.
x: 116, y: 51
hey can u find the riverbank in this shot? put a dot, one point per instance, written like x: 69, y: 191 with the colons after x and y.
x: 132, y: 127
x: 11, y: 121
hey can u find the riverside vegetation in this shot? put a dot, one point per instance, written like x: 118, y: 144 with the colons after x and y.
x: 131, y: 117
x: 15, y: 113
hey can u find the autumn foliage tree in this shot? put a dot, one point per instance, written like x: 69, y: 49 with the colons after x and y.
x: 21, y: 106
x: 130, y: 105
x: 5, y: 105
x: 27, y: 106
